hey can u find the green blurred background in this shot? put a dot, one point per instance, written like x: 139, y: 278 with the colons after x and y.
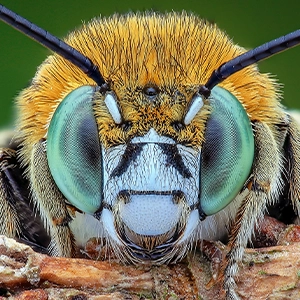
x: 249, y: 23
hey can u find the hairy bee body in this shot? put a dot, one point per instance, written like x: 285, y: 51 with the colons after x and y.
x: 148, y: 187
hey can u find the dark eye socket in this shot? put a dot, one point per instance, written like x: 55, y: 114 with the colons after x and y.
x: 177, y: 126
x: 126, y: 125
x: 151, y: 91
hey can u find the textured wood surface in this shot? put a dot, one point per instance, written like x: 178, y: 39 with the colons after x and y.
x: 265, y: 273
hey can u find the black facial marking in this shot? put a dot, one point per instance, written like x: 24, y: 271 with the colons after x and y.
x: 98, y: 212
x: 126, y: 125
x: 177, y: 125
x: 175, y: 159
x: 132, y: 151
x: 128, y: 193
x: 202, y: 215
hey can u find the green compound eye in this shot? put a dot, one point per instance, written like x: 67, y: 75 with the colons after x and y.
x: 227, y: 154
x: 74, y: 151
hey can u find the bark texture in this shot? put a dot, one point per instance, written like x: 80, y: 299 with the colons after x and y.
x: 265, y: 273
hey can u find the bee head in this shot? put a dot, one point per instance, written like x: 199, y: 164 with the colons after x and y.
x: 147, y: 141
x: 150, y: 147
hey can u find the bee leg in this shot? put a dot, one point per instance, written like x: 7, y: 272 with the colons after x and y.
x: 50, y: 203
x: 292, y: 148
x: 263, y: 188
x: 17, y: 217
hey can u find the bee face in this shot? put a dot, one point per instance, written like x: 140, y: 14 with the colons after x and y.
x: 146, y: 158
x: 142, y: 142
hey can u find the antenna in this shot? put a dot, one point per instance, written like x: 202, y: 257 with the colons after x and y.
x: 85, y: 64
x: 53, y: 43
x: 253, y: 56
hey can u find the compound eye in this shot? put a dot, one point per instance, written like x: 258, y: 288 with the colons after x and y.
x: 227, y: 153
x: 74, y: 151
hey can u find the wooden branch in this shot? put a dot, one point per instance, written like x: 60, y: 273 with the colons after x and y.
x: 265, y: 273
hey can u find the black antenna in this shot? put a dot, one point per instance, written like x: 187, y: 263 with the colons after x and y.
x: 53, y: 43
x: 253, y: 56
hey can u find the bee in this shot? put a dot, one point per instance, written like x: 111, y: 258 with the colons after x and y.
x: 150, y: 131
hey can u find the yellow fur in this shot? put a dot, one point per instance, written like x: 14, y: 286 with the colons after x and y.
x: 175, y: 51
